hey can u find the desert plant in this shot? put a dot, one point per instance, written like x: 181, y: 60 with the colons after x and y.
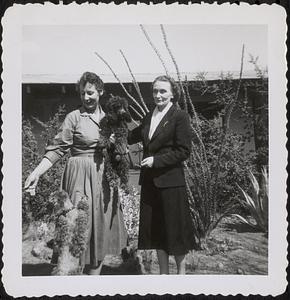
x: 255, y: 107
x: 256, y: 201
x: 214, y: 166
x: 202, y: 181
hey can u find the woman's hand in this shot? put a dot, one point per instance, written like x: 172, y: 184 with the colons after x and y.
x: 31, y: 183
x: 32, y: 180
x: 147, y: 162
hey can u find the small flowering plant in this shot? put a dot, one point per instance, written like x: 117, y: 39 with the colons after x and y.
x: 130, y: 202
x: 42, y: 230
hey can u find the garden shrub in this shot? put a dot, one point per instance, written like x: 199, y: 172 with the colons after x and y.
x: 234, y: 165
x: 39, y: 207
x: 30, y: 159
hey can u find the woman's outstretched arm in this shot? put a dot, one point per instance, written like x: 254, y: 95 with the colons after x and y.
x: 32, y: 179
x: 57, y: 149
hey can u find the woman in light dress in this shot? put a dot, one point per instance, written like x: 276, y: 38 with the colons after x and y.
x: 84, y: 174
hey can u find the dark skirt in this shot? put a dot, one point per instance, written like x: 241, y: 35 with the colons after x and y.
x: 165, y: 221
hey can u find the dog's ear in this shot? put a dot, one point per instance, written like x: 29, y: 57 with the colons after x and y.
x: 108, y: 103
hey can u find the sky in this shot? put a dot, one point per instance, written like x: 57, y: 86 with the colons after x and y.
x: 56, y: 49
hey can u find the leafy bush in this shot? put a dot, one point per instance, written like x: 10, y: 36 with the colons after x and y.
x: 39, y: 207
x: 219, y: 161
x: 130, y: 206
x: 30, y: 159
x: 235, y: 162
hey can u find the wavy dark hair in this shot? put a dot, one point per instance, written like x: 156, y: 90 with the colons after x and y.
x: 92, y: 78
x: 174, y: 86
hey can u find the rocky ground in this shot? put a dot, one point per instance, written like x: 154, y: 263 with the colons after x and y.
x: 232, y: 248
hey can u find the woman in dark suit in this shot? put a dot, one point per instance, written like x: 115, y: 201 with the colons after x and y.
x: 165, y: 222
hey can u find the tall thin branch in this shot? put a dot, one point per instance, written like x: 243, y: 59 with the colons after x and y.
x: 136, y: 112
x: 135, y: 122
x: 135, y: 83
x: 122, y: 85
x: 175, y: 64
x: 233, y: 103
x: 155, y: 49
x: 229, y: 110
x: 194, y: 114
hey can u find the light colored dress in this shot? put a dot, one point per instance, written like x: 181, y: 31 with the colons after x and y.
x: 84, y: 174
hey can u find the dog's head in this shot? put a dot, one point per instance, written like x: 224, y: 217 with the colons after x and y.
x: 116, y: 109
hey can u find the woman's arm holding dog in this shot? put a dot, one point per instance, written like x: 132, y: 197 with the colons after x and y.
x: 135, y: 135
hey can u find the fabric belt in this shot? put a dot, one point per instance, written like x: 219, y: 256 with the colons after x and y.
x: 84, y: 155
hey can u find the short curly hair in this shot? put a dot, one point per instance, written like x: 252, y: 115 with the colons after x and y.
x: 92, y: 78
x: 174, y: 86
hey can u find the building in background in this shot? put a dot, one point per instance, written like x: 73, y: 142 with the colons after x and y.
x: 43, y: 94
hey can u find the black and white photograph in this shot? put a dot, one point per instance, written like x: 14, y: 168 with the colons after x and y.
x: 146, y: 147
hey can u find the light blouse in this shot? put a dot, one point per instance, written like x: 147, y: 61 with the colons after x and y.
x: 156, y: 118
x: 78, y: 133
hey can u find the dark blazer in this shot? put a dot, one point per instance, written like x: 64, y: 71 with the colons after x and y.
x: 169, y: 145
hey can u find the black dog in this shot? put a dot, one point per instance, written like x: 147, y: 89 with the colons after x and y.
x: 116, y: 154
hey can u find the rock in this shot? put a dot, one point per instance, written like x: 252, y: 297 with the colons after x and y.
x: 256, y: 249
x: 41, y: 251
x: 36, y: 250
x: 192, y: 261
x: 148, y: 258
x: 240, y: 271
x: 220, y: 266
x: 224, y: 247
x: 140, y: 262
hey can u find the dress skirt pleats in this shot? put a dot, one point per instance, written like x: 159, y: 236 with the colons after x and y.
x: 84, y: 175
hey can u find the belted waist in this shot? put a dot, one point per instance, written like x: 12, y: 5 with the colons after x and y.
x: 85, y: 154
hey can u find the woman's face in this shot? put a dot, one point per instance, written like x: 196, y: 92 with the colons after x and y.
x: 90, y: 97
x: 162, y: 93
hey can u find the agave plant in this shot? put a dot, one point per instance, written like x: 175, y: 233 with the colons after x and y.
x: 257, y: 202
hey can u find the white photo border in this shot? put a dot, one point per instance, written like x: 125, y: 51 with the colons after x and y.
x: 274, y: 17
